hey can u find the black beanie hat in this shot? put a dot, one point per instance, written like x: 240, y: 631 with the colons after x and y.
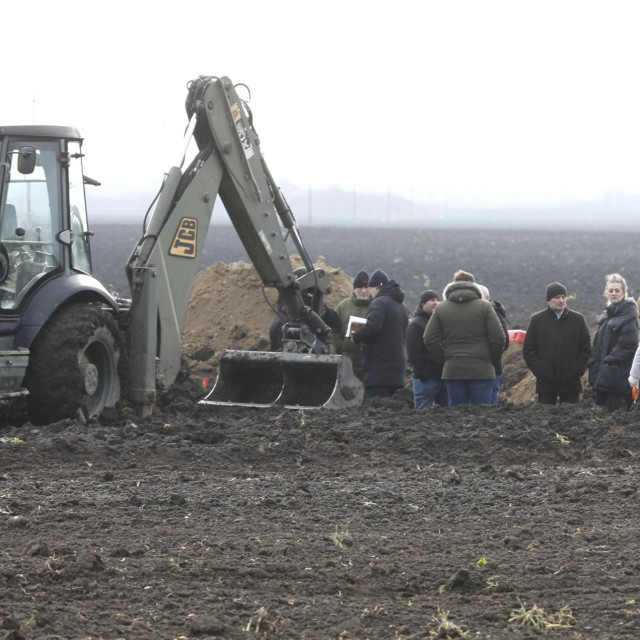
x: 361, y: 280
x: 555, y: 289
x: 378, y: 278
x: 427, y: 295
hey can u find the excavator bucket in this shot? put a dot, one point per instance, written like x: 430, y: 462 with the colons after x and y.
x: 291, y: 380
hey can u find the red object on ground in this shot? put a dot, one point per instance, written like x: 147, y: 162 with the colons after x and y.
x: 517, y: 335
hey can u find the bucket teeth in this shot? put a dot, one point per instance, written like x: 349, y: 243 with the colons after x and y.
x: 290, y: 380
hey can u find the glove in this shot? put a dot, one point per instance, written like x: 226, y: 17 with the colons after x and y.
x: 633, y: 381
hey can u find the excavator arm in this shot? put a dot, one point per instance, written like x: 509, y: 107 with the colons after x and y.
x: 165, y: 261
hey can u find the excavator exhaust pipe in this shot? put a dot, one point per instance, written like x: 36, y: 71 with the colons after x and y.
x: 290, y: 380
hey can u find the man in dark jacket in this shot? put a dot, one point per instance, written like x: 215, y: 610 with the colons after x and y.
x: 428, y: 387
x: 556, y: 348
x: 384, y: 361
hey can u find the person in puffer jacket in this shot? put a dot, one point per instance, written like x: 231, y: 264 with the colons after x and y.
x: 614, y: 346
x: 465, y: 334
x: 384, y: 361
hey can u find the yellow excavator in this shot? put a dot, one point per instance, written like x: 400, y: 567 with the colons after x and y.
x: 70, y: 346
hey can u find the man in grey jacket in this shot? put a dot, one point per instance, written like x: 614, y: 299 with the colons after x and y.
x: 465, y: 333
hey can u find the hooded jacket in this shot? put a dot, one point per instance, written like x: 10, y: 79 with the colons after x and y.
x: 465, y: 333
x: 614, y: 346
x: 384, y: 361
x: 557, y: 350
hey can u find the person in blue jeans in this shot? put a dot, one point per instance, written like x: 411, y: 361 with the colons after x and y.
x: 428, y: 388
x: 465, y: 334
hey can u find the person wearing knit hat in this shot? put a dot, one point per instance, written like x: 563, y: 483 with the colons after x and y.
x: 427, y: 295
x: 384, y: 361
x: 557, y: 348
x: 361, y: 281
x: 353, y: 306
x: 377, y: 279
x: 428, y: 387
x: 556, y: 289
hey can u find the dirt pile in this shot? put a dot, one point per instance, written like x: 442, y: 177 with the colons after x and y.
x: 230, y: 309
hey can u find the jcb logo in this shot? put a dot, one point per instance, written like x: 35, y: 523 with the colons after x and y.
x: 185, y: 241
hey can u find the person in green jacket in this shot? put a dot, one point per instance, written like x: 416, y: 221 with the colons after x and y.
x: 465, y: 334
x: 355, y: 305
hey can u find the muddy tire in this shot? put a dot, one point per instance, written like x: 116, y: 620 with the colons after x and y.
x: 73, y: 366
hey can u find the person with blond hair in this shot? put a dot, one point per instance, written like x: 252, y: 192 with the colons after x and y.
x: 614, y: 346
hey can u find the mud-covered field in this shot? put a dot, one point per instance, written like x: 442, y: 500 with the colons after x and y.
x: 515, y: 521
x: 367, y: 523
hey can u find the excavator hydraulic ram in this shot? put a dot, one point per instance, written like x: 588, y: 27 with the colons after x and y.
x: 292, y: 380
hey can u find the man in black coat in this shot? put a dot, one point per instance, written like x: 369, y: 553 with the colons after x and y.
x: 556, y: 348
x: 428, y: 387
x: 384, y: 361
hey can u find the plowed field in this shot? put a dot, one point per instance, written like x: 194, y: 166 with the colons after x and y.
x: 515, y: 521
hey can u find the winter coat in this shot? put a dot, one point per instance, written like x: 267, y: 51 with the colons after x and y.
x: 557, y: 350
x: 502, y: 316
x: 424, y: 366
x: 351, y: 306
x: 465, y: 333
x: 384, y: 361
x: 614, y: 347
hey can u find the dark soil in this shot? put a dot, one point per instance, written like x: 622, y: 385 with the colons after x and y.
x: 515, y: 265
x: 367, y: 523
x: 513, y: 521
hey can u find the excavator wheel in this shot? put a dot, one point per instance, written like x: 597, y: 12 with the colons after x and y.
x: 73, y: 365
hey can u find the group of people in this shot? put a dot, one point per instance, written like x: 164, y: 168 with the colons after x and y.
x: 558, y: 349
x: 455, y: 345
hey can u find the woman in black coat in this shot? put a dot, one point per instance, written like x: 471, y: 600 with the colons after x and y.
x: 614, y: 346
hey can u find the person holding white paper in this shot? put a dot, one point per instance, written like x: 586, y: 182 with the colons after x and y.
x: 353, y: 306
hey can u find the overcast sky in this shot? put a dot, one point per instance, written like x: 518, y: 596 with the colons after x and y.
x: 478, y: 101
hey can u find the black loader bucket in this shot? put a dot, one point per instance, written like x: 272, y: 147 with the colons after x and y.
x: 291, y: 380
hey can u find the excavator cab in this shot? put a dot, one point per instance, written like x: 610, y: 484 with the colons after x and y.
x: 34, y: 226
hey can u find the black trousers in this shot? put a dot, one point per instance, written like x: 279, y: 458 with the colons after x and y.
x: 613, y: 401
x: 550, y: 398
